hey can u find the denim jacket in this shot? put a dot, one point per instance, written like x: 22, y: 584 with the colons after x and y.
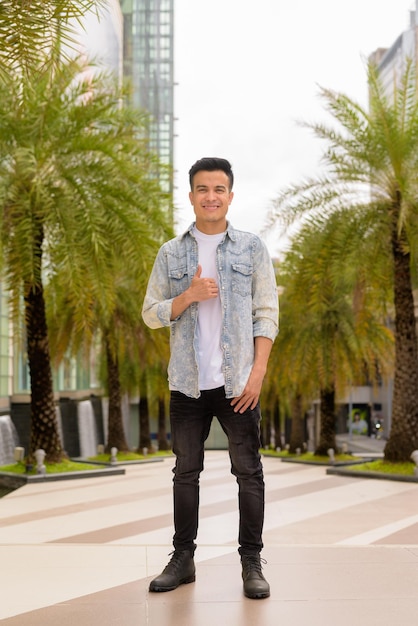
x: 249, y: 304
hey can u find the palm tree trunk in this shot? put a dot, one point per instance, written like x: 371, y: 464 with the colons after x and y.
x: 327, y: 433
x: 143, y: 415
x: 144, y: 430
x: 403, y: 438
x: 162, y: 431
x: 276, y: 423
x: 116, y: 434
x: 44, y: 427
x: 266, y: 427
x: 297, y: 432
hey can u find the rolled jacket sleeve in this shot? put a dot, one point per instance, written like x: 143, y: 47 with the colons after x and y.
x: 265, y: 296
x: 157, y: 306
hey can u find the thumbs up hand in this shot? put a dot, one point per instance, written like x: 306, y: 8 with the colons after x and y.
x: 203, y: 288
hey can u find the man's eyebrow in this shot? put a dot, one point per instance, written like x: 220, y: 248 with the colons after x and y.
x: 223, y: 187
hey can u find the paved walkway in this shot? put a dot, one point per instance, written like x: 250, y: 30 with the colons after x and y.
x: 339, y: 550
x: 361, y: 445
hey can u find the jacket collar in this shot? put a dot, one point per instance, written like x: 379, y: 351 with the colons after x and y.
x: 230, y: 231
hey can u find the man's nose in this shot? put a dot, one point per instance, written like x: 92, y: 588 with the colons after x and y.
x: 211, y: 194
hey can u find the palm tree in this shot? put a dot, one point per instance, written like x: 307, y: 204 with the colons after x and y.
x: 162, y: 439
x: 36, y: 34
x: 116, y: 436
x: 158, y: 388
x: 29, y: 45
x: 119, y: 338
x: 74, y: 193
x: 151, y: 377
x: 372, y: 161
x: 326, y: 339
x: 125, y: 343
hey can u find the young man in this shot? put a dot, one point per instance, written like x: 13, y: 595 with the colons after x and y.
x: 215, y: 287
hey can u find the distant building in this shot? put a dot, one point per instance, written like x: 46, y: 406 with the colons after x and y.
x: 148, y: 65
x: 391, y: 61
x: 134, y: 39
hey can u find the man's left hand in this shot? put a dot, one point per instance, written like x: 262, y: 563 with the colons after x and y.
x: 250, y: 395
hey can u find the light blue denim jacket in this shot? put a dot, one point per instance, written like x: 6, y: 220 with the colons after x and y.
x: 249, y: 303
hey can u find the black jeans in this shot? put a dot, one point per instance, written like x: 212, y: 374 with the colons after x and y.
x: 190, y: 425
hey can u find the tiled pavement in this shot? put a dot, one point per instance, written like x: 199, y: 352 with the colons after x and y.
x: 340, y: 551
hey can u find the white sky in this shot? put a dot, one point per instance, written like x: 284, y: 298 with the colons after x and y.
x: 248, y: 70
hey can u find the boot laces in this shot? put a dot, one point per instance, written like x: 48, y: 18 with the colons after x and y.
x: 254, y: 563
x: 175, y: 562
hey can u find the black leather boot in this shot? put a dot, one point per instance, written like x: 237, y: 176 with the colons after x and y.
x: 255, y: 585
x: 179, y: 571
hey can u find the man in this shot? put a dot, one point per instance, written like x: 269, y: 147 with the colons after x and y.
x: 215, y: 287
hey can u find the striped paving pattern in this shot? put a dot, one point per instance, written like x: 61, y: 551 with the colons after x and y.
x: 339, y: 550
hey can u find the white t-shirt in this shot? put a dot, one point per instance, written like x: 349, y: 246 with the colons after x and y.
x: 209, y: 321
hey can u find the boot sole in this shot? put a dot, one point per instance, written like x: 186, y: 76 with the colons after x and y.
x: 257, y: 596
x: 185, y: 581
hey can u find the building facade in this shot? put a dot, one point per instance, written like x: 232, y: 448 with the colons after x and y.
x: 148, y: 66
x: 391, y: 61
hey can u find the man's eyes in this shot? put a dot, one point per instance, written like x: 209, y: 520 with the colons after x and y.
x: 217, y: 189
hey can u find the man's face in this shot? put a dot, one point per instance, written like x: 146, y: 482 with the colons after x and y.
x: 211, y: 198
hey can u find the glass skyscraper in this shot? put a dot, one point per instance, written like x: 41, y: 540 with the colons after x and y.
x: 148, y: 64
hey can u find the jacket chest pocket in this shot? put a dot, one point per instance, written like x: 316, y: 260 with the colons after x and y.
x: 179, y: 279
x: 242, y: 278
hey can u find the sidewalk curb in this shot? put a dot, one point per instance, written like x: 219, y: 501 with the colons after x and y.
x: 10, y: 480
x: 379, y: 475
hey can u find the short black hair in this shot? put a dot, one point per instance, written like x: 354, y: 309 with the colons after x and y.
x: 211, y: 164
